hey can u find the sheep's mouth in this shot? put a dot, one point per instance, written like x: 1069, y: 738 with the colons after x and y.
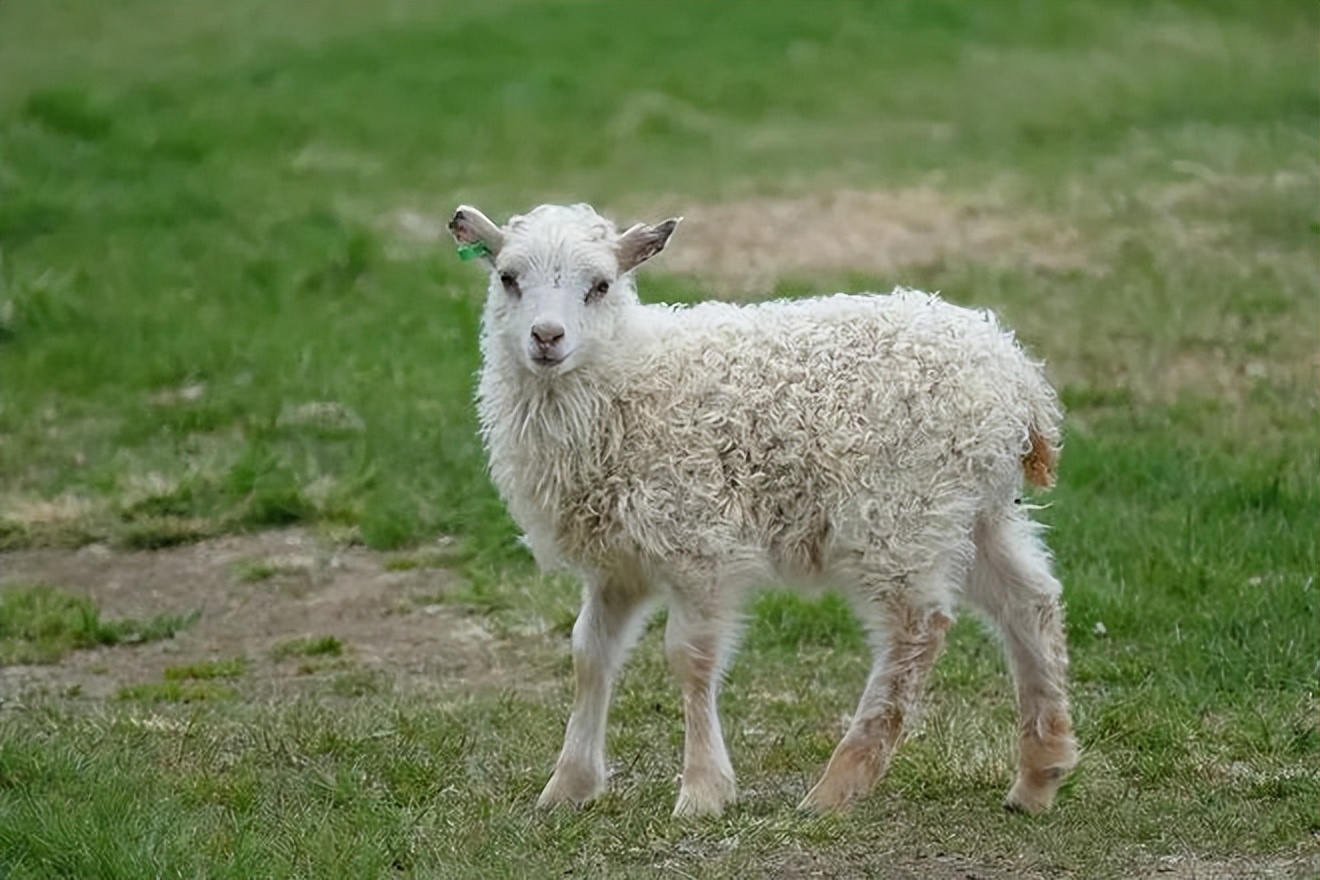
x: 547, y: 362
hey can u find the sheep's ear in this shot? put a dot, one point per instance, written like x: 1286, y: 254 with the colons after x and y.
x: 643, y: 242
x: 476, y: 235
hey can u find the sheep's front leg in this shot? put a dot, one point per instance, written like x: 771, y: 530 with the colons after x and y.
x: 696, y: 644
x: 604, y: 632
x: 914, y: 639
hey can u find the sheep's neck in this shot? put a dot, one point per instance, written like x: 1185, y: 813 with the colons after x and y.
x: 544, y: 439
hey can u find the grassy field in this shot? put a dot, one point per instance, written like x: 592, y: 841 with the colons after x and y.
x: 227, y: 304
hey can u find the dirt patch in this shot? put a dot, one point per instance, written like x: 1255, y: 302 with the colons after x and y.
x: 799, y: 863
x: 745, y: 247
x: 1194, y: 868
x: 252, y: 593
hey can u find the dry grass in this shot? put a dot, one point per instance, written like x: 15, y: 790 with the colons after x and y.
x: 46, y: 522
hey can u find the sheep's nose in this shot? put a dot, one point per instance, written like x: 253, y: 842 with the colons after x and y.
x: 547, y: 333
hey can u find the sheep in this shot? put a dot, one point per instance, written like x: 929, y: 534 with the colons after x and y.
x: 685, y: 455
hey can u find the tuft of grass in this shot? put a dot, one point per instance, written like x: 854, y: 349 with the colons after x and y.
x: 41, y: 624
x: 359, y: 683
x: 251, y: 571
x: 311, y: 646
x: 154, y: 629
x: 159, y: 532
x: 452, y: 554
x: 205, y: 670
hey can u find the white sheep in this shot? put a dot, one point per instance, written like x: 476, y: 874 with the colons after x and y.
x: 875, y: 443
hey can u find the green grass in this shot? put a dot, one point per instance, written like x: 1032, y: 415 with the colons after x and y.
x: 449, y: 555
x: 174, y: 690
x: 206, y: 670
x: 320, y: 646
x: 251, y: 571
x: 41, y: 624
x: 213, y: 320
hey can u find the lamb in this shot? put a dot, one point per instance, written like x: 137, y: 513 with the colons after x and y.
x: 875, y: 443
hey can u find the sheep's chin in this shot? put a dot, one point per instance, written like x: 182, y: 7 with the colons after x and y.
x: 549, y: 369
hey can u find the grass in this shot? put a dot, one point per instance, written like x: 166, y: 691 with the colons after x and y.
x: 216, y: 315
x: 311, y: 646
x: 251, y: 571
x: 207, y: 670
x: 177, y: 691
x: 41, y: 624
x: 449, y: 555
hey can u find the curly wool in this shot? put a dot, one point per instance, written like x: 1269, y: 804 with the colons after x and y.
x: 785, y: 439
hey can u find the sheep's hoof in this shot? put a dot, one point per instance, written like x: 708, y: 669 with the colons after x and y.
x: 1043, y: 767
x: 1027, y: 802
x: 570, y: 788
x: 851, y: 774
x: 706, y: 797
x: 1034, y: 792
x: 832, y: 795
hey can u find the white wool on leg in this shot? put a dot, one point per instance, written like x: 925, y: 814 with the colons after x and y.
x: 612, y: 615
x: 1012, y: 584
x: 697, y: 641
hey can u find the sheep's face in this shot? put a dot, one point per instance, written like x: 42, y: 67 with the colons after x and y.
x: 560, y: 278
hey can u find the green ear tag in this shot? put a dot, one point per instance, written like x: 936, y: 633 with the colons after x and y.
x: 473, y: 251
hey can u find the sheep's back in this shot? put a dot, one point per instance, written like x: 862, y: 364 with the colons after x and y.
x: 776, y: 423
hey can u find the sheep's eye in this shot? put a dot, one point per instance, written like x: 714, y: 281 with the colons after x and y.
x: 599, y: 289
x: 510, y: 282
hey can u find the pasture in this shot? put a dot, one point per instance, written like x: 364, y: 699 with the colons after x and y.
x: 261, y: 613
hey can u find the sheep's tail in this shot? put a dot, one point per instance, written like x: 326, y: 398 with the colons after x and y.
x: 1040, y: 461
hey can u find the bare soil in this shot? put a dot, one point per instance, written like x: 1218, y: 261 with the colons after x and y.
x: 743, y: 248
x: 396, y: 629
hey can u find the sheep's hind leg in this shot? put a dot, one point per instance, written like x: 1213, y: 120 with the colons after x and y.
x: 908, y: 639
x: 1011, y: 582
x: 696, y: 645
x: 605, y: 630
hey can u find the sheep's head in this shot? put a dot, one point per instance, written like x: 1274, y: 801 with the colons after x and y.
x: 560, y: 279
